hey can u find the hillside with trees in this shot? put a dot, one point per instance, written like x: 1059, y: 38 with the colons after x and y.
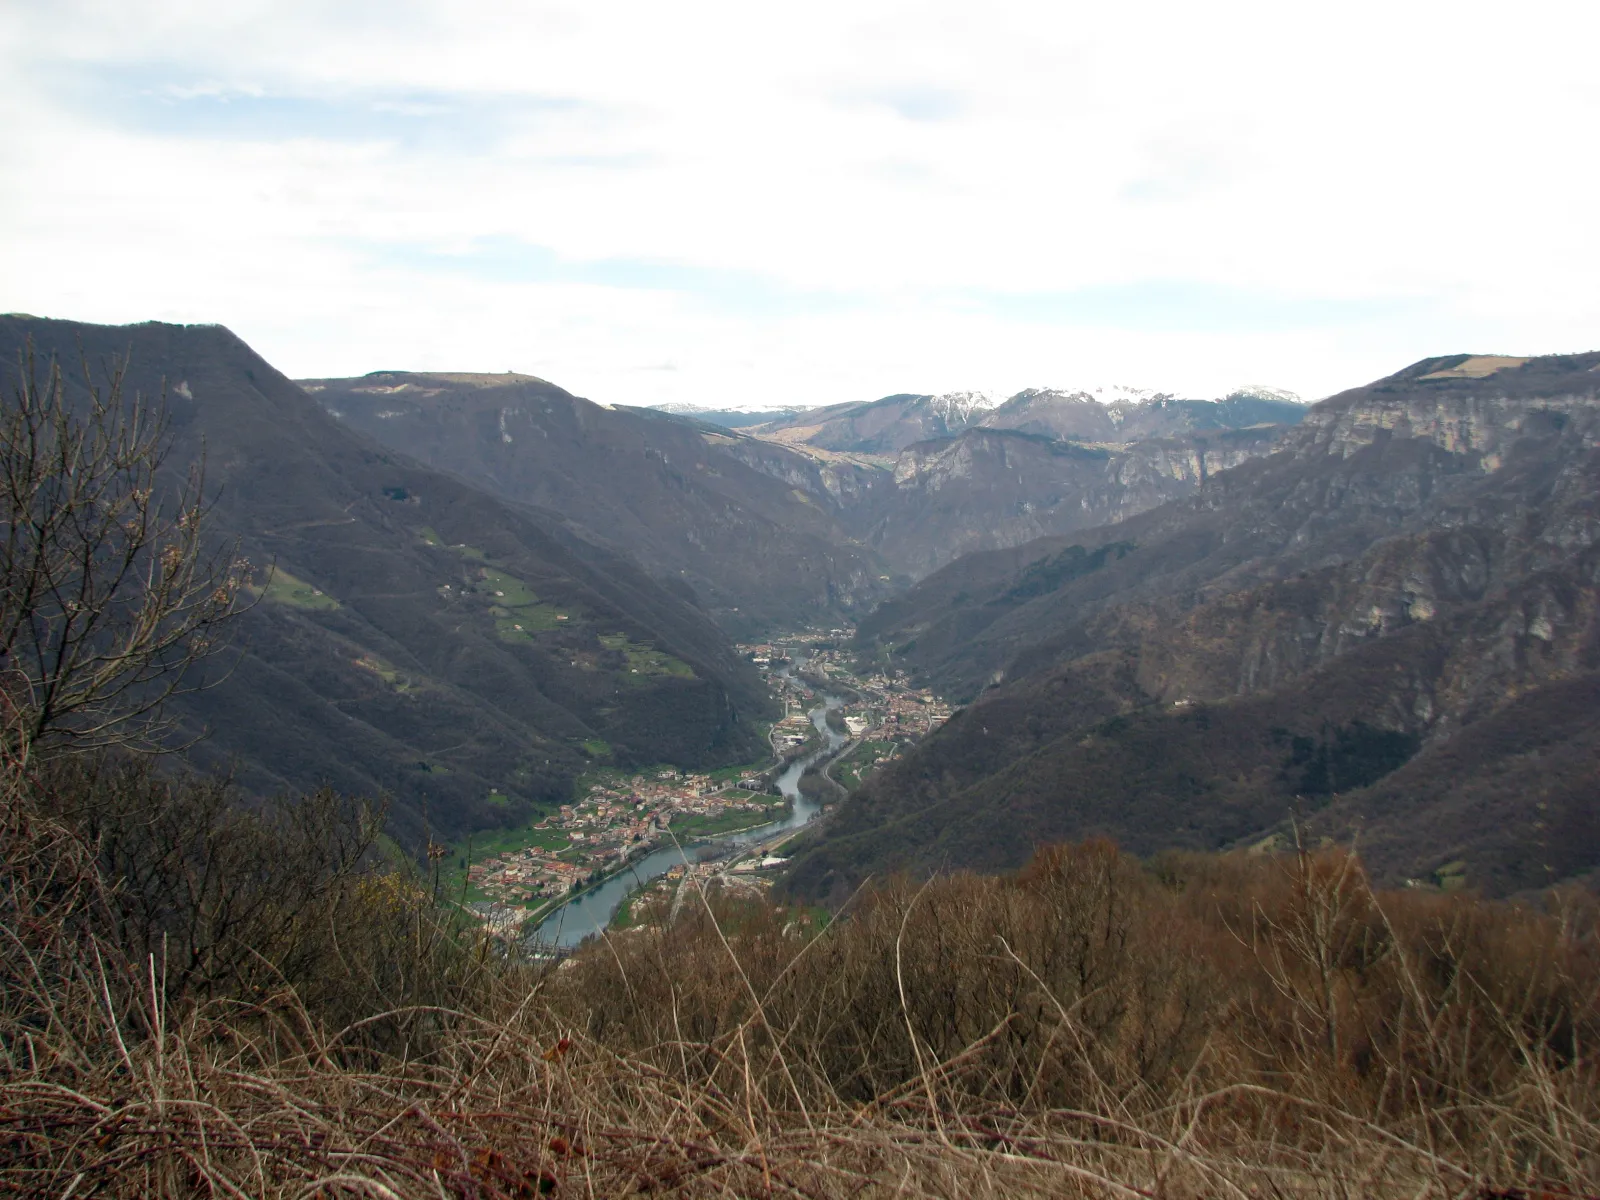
x: 407, y: 636
x: 739, y: 538
x: 1408, y: 587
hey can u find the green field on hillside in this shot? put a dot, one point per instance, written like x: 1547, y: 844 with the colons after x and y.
x: 850, y: 770
x: 389, y: 673
x: 517, y: 610
x: 284, y: 588
x: 644, y: 659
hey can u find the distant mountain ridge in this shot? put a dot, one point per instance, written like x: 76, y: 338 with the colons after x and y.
x: 923, y: 479
x: 1105, y: 414
x: 1382, y: 454
x: 1132, y: 417
x: 990, y: 488
x: 1043, y: 462
x: 878, y: 427
x: 728, y: 418
x: 819, y: 515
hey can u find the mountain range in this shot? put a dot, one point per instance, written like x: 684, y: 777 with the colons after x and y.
x: 728, y: 418
x: 1177, y: 623
x: 471, y: 585
x: 939, y: 477
x: 1129, y: 415
x: 415, y: 637
x: 1384, y: 627
x: 818, y: 516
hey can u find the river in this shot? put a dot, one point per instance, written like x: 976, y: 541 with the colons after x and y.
x: 592, y: 911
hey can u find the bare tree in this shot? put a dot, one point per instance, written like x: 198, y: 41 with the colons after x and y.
x: 109, y: 595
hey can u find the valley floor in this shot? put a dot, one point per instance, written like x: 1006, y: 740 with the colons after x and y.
x: 511, y: 879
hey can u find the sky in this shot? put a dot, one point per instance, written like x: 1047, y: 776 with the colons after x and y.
x: 759, y: 204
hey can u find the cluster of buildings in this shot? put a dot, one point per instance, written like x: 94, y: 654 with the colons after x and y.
x: 900, y: 711
x: 889, y: 709
x: 792, y: 732
x: 612, y: 824
x: 795, y: 729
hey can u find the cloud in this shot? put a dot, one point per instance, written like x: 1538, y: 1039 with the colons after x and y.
x: 920, y: 103
x: 1175, y: 305
x: 811, y: 205
x: 508, y: 260
x: 166, y: 101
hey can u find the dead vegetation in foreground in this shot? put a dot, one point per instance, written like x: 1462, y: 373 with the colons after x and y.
x: 242, y: 1018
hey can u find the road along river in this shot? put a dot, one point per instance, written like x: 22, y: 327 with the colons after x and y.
x: 592, y: 911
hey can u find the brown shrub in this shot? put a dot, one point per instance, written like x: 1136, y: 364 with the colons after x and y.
x: 1092, y: 1025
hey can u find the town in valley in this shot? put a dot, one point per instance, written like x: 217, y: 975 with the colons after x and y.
x: 619, y: 816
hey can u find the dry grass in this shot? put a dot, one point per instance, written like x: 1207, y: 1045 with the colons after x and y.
x: 1208, y: 1027
x: 1478, y: 366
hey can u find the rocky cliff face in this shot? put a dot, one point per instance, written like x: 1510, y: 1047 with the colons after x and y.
x: 840, y: 482
x: 1404, y: 456
x: 1445, y: 402
x: 923, y: 480
x: 1146, y: 469
x: 1415, y: 568
x: 989, y: 489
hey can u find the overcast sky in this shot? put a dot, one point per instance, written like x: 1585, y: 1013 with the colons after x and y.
x: 754, y: 203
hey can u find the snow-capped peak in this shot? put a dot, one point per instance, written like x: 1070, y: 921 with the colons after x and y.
x: 1260, y: 391
x: 681, y: 409
x: 1107, y: 394
x: 962, y: 405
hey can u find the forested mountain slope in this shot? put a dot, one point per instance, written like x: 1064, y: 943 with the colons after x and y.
x: 750, y: 547
x: 420, y: 639
x: 1415, y: 570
